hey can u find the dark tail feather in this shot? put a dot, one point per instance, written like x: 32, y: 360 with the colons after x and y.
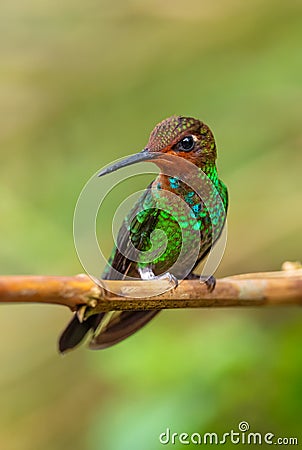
x: 120, y: 327
x: 75, y: 331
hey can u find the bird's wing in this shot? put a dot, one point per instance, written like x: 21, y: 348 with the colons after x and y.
x: 133, y: 236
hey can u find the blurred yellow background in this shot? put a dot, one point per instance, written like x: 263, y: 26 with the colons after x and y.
x: 83, y: 83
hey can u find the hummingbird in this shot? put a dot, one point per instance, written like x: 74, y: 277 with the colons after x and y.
x: 186, y: 140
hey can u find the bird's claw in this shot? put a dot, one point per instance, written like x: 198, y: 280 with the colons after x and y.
x: 147, y: 274
x: 170, y: 277
x: 210, y: 282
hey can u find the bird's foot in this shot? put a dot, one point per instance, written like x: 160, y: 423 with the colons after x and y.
x: 170, y: 277
x: 147, y: 274
x: 210, y: 282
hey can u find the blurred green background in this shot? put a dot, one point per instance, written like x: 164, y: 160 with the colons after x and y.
x: 83, y: 83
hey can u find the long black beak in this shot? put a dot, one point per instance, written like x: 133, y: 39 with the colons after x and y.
x: 144, y: 155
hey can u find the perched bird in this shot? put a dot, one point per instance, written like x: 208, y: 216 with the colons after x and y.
x: 184, y: 139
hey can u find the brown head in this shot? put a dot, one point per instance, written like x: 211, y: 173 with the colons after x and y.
x: 184, y: 137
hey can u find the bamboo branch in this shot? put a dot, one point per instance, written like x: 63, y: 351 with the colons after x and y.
x: 254, y: 289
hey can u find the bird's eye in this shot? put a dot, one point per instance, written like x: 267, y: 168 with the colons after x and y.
x: 186, y: 144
